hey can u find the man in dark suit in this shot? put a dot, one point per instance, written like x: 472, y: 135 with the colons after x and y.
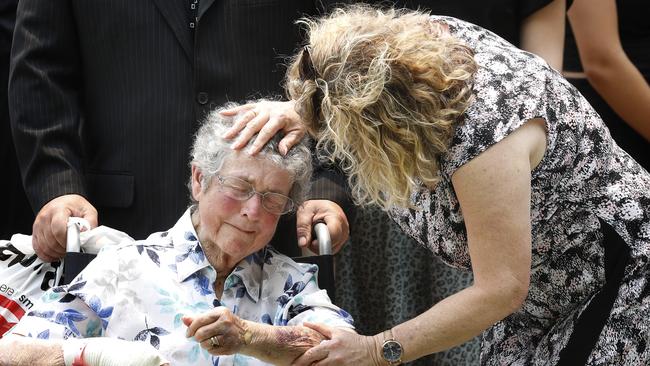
x: 12, y: 194
x: 106, y: 95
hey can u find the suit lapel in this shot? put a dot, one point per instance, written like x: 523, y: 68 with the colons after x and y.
x: 174, y: 13
x: 204, y: 5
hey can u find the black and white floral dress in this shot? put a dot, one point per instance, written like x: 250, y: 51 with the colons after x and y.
x: 583, y: 177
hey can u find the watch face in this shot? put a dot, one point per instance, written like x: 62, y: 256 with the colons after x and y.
x: 392, y: 351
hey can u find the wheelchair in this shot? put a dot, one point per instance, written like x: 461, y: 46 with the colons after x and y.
x: 75, y: 260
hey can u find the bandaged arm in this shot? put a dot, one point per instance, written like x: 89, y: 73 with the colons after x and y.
x: 23, y: 351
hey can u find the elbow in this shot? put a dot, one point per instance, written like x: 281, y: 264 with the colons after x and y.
x: 509, y: 295
x: 600, y: 68
x: 596, y: 74
x: 518, y: 293
x: 501, y: 299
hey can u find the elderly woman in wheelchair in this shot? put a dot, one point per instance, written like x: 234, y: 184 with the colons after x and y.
x: 209, y: 291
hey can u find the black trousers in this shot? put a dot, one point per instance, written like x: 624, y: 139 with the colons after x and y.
x: 592, y: 320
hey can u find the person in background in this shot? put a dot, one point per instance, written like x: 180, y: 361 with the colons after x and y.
x: 607, y: 57
x: 207, y: 291
x: 536, y: 26
x: 104, y: 98
x: 491, y: 159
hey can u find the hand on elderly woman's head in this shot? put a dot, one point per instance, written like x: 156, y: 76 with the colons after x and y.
x: 268, y: 118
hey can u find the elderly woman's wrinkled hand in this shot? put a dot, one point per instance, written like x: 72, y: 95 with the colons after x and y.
x: 267, y: 118
x: 219, y: 331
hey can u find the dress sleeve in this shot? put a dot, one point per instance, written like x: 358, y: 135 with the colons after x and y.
x: 510, y: 87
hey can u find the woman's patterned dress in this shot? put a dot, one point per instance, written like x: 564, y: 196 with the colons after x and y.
x: 583, y: 176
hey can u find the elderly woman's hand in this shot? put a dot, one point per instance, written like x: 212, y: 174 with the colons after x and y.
x: 267, y: 118
x: 219, y: 331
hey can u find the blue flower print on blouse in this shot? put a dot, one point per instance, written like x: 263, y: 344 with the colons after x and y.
x: 151, y: 253
x: 266, y: 319
x: 290, y: 290
x: 44, y: 334
x: 69, y: 318
x: 196, y: 255
x: 103, y: 313
x: 151, y: 334
x: 201, y: 283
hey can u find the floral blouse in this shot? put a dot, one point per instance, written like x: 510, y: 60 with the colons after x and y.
x: 138, y: 291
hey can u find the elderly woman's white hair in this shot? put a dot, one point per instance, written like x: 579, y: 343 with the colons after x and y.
x: 210, y: 150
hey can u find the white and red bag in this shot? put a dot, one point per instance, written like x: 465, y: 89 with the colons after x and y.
x: 24, y: 277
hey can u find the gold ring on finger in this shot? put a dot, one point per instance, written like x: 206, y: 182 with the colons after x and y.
x: 214, y: 341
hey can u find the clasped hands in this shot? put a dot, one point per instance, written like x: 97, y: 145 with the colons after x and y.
x: 220, y: 332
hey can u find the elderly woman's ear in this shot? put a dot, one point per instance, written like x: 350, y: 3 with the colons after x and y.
x: 197, y: 177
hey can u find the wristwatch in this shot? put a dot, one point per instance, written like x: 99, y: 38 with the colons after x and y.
x: 391, y: 350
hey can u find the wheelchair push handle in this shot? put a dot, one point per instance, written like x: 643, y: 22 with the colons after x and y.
x: 323, y: 237
x: 73, y: 241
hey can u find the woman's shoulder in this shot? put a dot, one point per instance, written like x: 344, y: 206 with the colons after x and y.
x: 470, y: 33
x: 510, y: 88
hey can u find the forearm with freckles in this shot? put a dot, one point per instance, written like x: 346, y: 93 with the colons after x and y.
x: 30, y: 352
x: 277, y: 344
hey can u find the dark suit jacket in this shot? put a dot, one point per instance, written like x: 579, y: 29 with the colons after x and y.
x: 105, y: 95
x: 12, y: 194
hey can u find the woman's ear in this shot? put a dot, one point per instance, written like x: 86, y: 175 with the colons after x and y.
x: 197, y: 176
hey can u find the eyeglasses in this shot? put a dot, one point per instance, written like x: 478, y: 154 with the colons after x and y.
x: 241, y: 190
x: 307, y: 71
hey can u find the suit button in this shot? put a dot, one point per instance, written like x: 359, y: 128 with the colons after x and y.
x: 202, y: 97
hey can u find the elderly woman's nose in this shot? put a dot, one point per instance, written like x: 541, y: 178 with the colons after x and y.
x: 253, y: 206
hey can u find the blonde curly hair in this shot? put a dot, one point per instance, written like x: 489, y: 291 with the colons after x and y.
x: 381, y: 91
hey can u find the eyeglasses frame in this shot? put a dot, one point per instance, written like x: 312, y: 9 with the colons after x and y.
x: 289, y: 206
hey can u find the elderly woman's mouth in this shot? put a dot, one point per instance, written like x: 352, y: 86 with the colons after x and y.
x: 242, y: 229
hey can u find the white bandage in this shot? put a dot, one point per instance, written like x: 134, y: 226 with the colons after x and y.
x: 111, y: 352
x: 72, y: 349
